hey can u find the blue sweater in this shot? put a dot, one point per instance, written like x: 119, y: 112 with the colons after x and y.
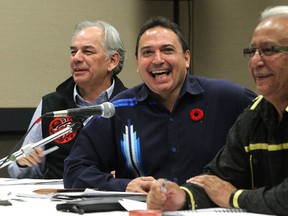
x: 145, y: 139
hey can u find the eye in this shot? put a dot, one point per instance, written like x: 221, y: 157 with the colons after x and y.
x: 146, y: 53
x: 267, y: 51
x: 73, y: 52
x: 249, y: 52
x: 168, y: 50
x: 88, y: 51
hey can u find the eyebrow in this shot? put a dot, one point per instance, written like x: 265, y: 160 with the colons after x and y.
x: 262, y: 44
x: 146, y: 47
x: 85, y: 47
x: 162, y: 46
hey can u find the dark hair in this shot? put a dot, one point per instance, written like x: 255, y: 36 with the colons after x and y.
x: 165, y: 23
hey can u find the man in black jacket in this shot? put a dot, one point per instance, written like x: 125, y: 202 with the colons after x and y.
x: 251, y: 170
x: 97, y: 56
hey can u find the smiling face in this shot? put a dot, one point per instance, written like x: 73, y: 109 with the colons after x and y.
x: 89, y: 63
x: 161, y: 62
x: 270, y: 73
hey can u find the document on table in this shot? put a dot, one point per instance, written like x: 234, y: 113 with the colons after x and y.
x: 89, y: 193
x: 12, y: 188
x: 15, y: 181
x: 94, y: 201
x: 211, y: 211
x: 131, y: 205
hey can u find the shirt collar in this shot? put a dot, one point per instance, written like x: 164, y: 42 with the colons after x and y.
x: 190, y: 86
x: 79, y: 100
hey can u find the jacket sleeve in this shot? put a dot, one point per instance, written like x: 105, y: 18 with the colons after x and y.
x: 232, y: 164
x: 196, y: 197
x: 92, y: 159
x: 35, y: 135
x: 265, y: 200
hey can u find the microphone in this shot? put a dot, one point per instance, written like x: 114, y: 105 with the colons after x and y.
x: 105, y: 110
x: 28, y: 149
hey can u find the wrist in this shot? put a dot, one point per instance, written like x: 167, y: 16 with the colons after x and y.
x: 189, y: 200
x: 233, y: 200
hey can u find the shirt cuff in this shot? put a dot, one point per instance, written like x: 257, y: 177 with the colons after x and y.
x: 190, y: 202
x: 233, y: 200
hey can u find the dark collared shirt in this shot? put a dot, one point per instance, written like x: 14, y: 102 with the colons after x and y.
x: 145, y: 139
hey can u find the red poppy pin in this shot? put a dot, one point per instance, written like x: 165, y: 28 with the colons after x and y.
x: 196, y: 114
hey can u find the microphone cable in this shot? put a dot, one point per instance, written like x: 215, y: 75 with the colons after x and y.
x: 19, y: 143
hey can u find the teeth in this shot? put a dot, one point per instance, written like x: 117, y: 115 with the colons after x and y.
x: 162, y: 77
x: 264, y: 75
x: 160, y: 71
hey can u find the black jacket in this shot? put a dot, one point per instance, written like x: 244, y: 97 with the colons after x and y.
x: 61, y: 99
x: 254, y: 160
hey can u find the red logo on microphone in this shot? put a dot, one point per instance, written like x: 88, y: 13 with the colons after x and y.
x: 58, y: 124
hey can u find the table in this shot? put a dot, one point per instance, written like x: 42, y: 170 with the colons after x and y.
x: 20, y: 194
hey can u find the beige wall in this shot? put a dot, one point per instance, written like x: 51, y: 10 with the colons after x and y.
x: 35, y: 38
x: 222, y: 28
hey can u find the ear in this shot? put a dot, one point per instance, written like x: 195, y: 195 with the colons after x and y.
x: 137, y: 65
x: 187, y: 58
x: 113, y: 61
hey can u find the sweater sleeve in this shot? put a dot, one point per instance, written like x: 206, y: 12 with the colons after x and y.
x: 265, y: 200
x: 198, y: 198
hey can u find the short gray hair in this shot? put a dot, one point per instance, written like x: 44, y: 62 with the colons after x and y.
x: 112, y: 40
x: 274, y: 11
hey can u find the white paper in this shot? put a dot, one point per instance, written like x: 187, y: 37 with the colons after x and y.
x: 15, y: 181
x: 94, y: 193
x: 131, y: 205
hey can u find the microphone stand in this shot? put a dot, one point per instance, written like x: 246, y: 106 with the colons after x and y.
x: 28, y: 149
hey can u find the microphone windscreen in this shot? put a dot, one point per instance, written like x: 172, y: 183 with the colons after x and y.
x: 108, y: 110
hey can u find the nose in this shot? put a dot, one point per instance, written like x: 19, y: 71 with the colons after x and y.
x: 158, y: 58
x: 256, y: 60
x: 257, y: 55
x: 77, y: 57
x: 258, y: 52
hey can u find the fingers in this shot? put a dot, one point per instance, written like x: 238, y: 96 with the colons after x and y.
x: 202, y: 179
x: 159, y: 187
x: 140, y: 184
x: 147, y: 178
x: 205, y: 181
x: 39, y: 151
x: 32, y: 159
x: 218, y: 190
x: 156, y: 197
x: 113, y: 172
x: 165, y: 195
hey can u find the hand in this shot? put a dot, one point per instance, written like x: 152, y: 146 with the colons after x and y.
x: 140, y: 184
x: 113, y: 172
x: 217, y: 189
x: 32, y: 159
x: 171, y: 198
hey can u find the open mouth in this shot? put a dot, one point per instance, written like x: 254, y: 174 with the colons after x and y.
x: 79, y: 69
x: 160, y: 73
x: 263, y: 76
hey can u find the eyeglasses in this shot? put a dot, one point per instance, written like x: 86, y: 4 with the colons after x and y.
x: 264, y: 51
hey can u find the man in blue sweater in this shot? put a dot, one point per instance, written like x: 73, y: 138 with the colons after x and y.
x: 170, y: 126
